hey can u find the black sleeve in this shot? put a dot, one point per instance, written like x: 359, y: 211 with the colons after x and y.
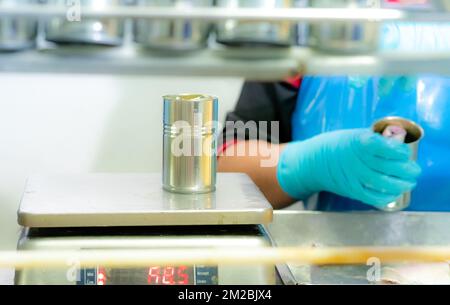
x: 261, y: 102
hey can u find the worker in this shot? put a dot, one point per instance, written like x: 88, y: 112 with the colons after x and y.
x: 325, y: 152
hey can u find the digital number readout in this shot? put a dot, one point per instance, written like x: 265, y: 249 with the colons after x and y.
x: 154, y: 275
x: 170, y: 275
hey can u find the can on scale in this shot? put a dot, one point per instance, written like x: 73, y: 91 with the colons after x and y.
x: 189, y: 143
x: 408, y: 132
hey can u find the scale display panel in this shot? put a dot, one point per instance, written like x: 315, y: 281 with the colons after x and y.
x: 152, y: 275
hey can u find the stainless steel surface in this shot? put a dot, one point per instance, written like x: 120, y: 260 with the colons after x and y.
x: 301, y: 28
x: 414, y: 133
x: 176, y: 35
x: 250, y: 33
x: 135, y: 62
x: 189, y: 143
x: 381, y: 63
x: 312, y: 15
x: 346, y: 37
x: 98, y: 31
x: 322, y: 229
x: 137, y: 200
x: 166, y: 240
x: 17, y: 33
x: 251, y: 53
x: 286, y: 277
x: 272, y: 64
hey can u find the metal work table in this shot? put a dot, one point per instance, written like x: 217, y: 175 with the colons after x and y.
x: 316, y: 229
x: 320, y: 229
x: 255, y: 64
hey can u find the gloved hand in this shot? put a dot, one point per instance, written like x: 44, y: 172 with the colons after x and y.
x: 355, y: 163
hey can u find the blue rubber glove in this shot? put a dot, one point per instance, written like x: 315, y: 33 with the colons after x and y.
x: 355, y: 163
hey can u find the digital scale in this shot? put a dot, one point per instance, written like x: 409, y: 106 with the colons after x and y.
x: 133, y: 212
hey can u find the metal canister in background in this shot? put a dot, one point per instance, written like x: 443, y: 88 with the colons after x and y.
x: 173, y: 35
x: 301, y: 28
x: 17, y: 33
x: 345, y: 37
x: 92, y: 31
x: 414, y: 133
x: 241, y: 33
x: 189, y: 144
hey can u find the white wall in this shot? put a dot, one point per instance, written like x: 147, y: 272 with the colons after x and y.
x: 84, y: 123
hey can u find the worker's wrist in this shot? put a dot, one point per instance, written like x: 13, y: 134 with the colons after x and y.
x: 291, y: 172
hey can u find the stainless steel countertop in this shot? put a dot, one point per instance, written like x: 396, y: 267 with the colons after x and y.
x: 318, y: 229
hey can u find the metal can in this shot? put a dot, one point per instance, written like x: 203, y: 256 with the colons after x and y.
x: 414, y: 133
x: 189, y: 143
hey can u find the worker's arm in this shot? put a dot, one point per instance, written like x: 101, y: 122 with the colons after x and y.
x: 260, y: 166
x: 355, y: 163
x: 260, y: 102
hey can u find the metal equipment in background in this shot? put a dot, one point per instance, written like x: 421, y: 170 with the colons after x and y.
x: 345, y: 37
x: 17, y: 33
x: 345, y: 28
x: 255, y: 33
x: 76, y: 29
x: 173, y: 35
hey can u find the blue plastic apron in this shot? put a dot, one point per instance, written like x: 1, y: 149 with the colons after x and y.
x: 332, y: 103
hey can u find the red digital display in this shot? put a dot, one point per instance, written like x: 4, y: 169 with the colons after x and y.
x: 101, y: 276
x: 154, y: 275
x: 169, y: 275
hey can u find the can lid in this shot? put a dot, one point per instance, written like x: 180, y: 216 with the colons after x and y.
x: 196, y: 110
x: 414, y: 132
x: 187, y: 97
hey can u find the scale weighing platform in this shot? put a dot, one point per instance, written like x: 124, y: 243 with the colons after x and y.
x: 132, y: 211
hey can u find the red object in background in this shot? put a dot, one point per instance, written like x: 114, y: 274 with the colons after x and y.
x: 295, y: 81
x: 168, y: 275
